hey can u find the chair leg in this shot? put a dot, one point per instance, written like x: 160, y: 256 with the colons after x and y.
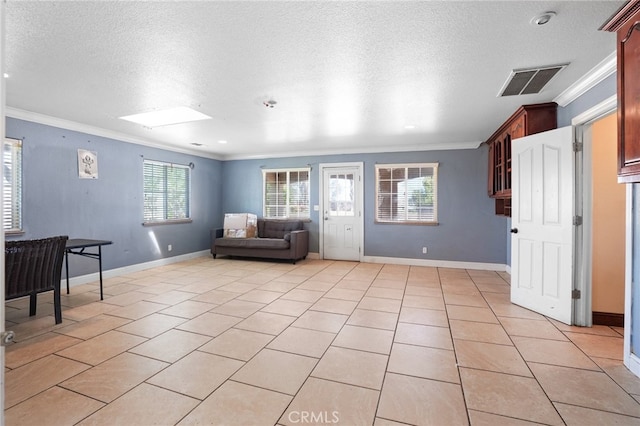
x: 57, y: 306
x: 33, y: 302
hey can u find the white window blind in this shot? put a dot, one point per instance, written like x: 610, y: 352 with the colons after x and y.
x: 166, y: 191
x: 286, y: 193
x: 12, y: 185
x: 407, y: 193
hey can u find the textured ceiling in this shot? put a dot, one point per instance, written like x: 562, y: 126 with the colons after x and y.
x: 347, y: 76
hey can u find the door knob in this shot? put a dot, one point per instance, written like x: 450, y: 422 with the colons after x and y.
x: 514, y: 230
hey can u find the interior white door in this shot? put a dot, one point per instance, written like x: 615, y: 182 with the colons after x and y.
x: 341, y: 213
x: 542, y: 223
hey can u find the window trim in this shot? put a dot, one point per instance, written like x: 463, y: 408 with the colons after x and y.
x: 19, y: 195
x: 166, y: 221
x: 434, y: 166
x: 288, y: 171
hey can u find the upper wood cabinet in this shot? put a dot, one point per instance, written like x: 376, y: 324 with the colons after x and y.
x: 627, y: 24
x: 527, y: 120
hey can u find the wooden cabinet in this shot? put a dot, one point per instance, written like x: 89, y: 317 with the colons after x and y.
x: 527, y: 120
x: 627, y: 25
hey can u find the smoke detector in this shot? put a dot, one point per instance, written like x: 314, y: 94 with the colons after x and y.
x: 270, y: 103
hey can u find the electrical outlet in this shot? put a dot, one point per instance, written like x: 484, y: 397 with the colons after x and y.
x: 169, y: 247
x: 424, y: 250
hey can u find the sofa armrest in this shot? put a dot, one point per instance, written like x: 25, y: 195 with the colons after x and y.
x: 299, y: 243
x: 215, y: 233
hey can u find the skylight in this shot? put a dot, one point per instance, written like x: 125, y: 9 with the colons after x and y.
x: 166, y: 117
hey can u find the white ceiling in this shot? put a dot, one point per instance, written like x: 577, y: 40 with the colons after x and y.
x: 346, y: 76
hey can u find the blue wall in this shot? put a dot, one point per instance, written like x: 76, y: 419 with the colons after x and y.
x: 468, y: 230
x: 57, y: 202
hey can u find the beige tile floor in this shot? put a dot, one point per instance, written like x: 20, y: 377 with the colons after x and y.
x: 231, y: 341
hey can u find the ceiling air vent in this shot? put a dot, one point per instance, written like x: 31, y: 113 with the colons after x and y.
x: 529, y: 81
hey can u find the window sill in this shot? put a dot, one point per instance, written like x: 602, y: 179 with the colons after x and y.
x: 378, y: 222
x: 166, y: 222
x: 14, y: 233
x: 304, y: 220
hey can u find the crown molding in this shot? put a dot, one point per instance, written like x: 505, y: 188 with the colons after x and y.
x: 372, y: 150
x: 597, y: 74
x: 97, y: 131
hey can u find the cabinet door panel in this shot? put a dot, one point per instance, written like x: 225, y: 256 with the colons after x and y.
x: 490, y: 190
x: 630, y: 89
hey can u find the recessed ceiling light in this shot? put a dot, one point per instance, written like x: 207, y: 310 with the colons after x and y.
x: 222, y: 142
x: 166, y: 117
x: 5, y: 75
x: 410, y: 127
x: 543, y: 18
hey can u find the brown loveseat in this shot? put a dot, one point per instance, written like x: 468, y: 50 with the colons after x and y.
x: 277, y: 239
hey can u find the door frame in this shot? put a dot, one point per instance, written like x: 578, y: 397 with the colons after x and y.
x: 359, y: 201
x: 582, y: 309
x: 3, y: 92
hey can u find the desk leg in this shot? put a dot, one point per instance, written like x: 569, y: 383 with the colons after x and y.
x: 100, y: 266
x: 66, y: 264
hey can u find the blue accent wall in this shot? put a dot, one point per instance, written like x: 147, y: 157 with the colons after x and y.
x: 468, y: 229
x: 57, y: 202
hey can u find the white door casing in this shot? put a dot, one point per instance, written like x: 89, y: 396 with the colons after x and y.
x: 542, y: 223
x: 341, y: 230
x: 2, y: 131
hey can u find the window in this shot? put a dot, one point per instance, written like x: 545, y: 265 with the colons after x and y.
x: 12, y: 185
x: 166, y: 192
x: 286, y: 193
x: 407, y: 193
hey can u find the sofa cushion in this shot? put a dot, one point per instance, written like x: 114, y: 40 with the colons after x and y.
x: 277, y: 228
x: 257, y: 243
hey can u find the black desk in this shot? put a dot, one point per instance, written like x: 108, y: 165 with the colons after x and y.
x: 78, y: 246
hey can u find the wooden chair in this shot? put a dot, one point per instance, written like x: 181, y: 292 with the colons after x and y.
x: 32, y: 267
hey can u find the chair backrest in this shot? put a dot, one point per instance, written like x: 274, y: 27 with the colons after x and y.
x: 33, y: 265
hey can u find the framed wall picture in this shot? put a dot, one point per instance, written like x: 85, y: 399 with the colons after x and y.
x: 87, y: 164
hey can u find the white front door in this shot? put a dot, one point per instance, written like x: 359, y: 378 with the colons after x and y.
x: 341, y: 213
x: 542, y: 223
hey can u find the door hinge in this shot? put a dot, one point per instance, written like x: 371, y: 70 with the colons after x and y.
x: 576, y: 294
x: 577, y: 146
x: 577, y: 220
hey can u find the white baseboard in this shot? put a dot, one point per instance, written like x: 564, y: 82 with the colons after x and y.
x: 632, y: 363
x: 83, y: 279
x: 508, y: 269
x: 436, y: 263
